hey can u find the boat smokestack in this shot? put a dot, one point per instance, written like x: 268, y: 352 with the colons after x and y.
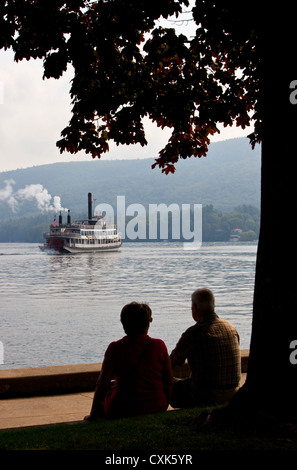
x: 69, y: 218
x: 60, y: 219
x: 90, y: 206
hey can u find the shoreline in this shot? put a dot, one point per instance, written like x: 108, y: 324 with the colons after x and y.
x: 52, y: 380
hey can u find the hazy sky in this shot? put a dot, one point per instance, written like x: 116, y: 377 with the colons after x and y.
x: 34, y: 112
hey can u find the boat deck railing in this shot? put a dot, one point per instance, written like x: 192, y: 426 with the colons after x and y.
x: 75, y: 235
x: 75, y: 232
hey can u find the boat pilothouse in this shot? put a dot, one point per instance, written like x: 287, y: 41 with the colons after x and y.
x: 83, y: 236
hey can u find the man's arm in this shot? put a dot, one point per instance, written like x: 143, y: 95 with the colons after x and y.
x: 180, y: 352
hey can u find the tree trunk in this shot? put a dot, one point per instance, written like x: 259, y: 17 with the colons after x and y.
x: 271, y: 386
x: 272, y: 374
x: 271, y: 378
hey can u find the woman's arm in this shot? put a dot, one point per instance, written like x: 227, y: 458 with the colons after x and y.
x: 102, y: 387
x: 168, y: 378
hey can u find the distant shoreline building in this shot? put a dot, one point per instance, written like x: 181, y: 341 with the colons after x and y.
x: 235, y: 234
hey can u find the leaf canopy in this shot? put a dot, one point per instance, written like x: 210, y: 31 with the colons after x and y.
x: 128, y: 67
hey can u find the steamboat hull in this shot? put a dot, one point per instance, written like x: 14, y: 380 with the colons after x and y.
x: 91, y: 249
x: 57, y: 246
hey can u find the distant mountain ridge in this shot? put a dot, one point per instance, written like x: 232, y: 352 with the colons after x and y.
x: 228, y: 177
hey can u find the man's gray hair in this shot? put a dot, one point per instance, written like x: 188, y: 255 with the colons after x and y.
x: 204, y: 299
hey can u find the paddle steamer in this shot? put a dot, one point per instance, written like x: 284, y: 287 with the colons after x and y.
x: 84, y: 236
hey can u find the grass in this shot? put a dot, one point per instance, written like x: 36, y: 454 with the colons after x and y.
x: 167, y: 432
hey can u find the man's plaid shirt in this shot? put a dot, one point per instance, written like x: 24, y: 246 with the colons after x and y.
x: 212, y: 349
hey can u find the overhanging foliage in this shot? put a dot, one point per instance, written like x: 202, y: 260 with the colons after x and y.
x: 127, y: 67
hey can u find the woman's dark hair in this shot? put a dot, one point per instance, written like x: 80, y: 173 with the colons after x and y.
x: 135, y: 318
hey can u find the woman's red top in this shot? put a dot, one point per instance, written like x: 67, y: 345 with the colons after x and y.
x: 139, y: 363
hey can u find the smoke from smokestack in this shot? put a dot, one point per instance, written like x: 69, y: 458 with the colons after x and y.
x: 6, y: 194
x: 32, y: 192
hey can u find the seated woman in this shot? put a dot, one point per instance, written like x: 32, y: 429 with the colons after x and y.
x: 140, y: 366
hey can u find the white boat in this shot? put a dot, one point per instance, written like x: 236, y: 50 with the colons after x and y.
x: 84, y: 236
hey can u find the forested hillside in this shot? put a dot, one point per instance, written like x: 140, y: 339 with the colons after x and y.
x: 228, y: 177
x: 216, y: 226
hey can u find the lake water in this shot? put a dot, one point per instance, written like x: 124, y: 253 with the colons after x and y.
x: 65, y: 309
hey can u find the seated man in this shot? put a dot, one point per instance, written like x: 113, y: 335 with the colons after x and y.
x: 211, y: 347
